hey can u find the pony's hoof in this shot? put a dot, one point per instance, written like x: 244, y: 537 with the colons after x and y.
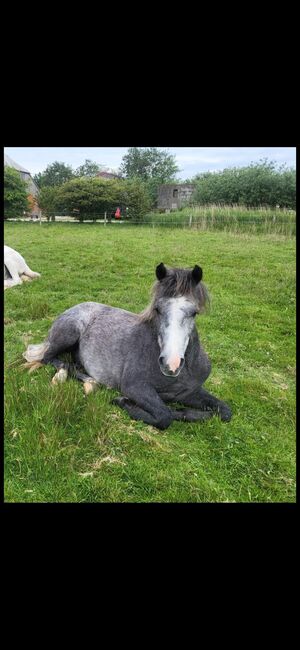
x: 89, y: 386
x: 59, y: 377
x: 225, y: 413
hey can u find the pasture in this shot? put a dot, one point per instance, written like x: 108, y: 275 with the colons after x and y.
x: 63, y: 446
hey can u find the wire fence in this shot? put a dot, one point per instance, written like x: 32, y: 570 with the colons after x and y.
x: 265, y: 223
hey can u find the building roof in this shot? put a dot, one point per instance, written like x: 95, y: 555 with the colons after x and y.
x: 178, y: 184
x: 32, y: 186
x: 107, y: 174
x: 9, y: 162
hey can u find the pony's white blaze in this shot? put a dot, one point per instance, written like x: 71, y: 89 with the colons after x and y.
x: 177, y: 332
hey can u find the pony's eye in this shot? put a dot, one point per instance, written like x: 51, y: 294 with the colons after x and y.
x: 194, y: 314
x: 157, y: 310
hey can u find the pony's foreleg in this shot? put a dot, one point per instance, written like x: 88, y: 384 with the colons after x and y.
x: 142, y: 402
x: 137, y: 413
x: 184, y: 415
x: 203, y: 400
x: 191, y: 415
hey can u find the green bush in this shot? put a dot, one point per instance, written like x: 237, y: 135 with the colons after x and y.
x: 48, y: 201
x: 260, y: 184
x: 89, y: 198
x: 15, y: 194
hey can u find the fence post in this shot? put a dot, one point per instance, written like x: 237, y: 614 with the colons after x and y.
x: 105, y: 218
x: 190, y: 224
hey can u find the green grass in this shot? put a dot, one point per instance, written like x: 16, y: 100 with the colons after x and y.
x: 63, y: 446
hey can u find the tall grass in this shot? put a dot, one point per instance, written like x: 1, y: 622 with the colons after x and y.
x: 236, y: 218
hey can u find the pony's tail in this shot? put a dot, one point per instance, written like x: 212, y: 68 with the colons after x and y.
x: 35, y: 353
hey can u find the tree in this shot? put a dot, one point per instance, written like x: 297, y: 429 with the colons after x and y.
x: 89, y: 198
x: 135, y: 196
x: 47, y: 201
x: 151, y: 165
x: 54, y: 175
x: 15, y: 194
x: 89, y: 168
x: 261, y: 183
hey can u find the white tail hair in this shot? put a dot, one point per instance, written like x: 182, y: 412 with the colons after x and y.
x: 36, y: 352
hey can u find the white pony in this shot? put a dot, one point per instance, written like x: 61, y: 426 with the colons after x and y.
x: 16, y: 269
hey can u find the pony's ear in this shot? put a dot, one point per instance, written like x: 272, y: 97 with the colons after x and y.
x: 161, y: 271
x: 197, y: 273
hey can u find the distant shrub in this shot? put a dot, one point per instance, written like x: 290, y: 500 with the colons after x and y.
x: 259, y: 184
x: 15, y: 194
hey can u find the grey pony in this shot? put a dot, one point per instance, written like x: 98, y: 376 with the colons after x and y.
x: 133, y: 353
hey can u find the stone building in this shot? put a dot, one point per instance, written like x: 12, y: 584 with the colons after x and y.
x: 172, y: 196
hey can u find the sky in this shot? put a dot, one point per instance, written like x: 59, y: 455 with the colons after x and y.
x: 191, y: 160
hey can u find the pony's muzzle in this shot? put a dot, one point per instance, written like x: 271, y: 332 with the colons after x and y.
x: 171, y: 368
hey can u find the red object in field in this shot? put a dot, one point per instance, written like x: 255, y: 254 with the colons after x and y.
x: 118, y: 213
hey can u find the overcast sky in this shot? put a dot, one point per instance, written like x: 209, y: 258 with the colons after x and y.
x: 191, y: 160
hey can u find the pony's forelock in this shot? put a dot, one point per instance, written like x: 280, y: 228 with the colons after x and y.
x: 177, y: 282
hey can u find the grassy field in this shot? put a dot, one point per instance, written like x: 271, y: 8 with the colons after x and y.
x: 63, y: 446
